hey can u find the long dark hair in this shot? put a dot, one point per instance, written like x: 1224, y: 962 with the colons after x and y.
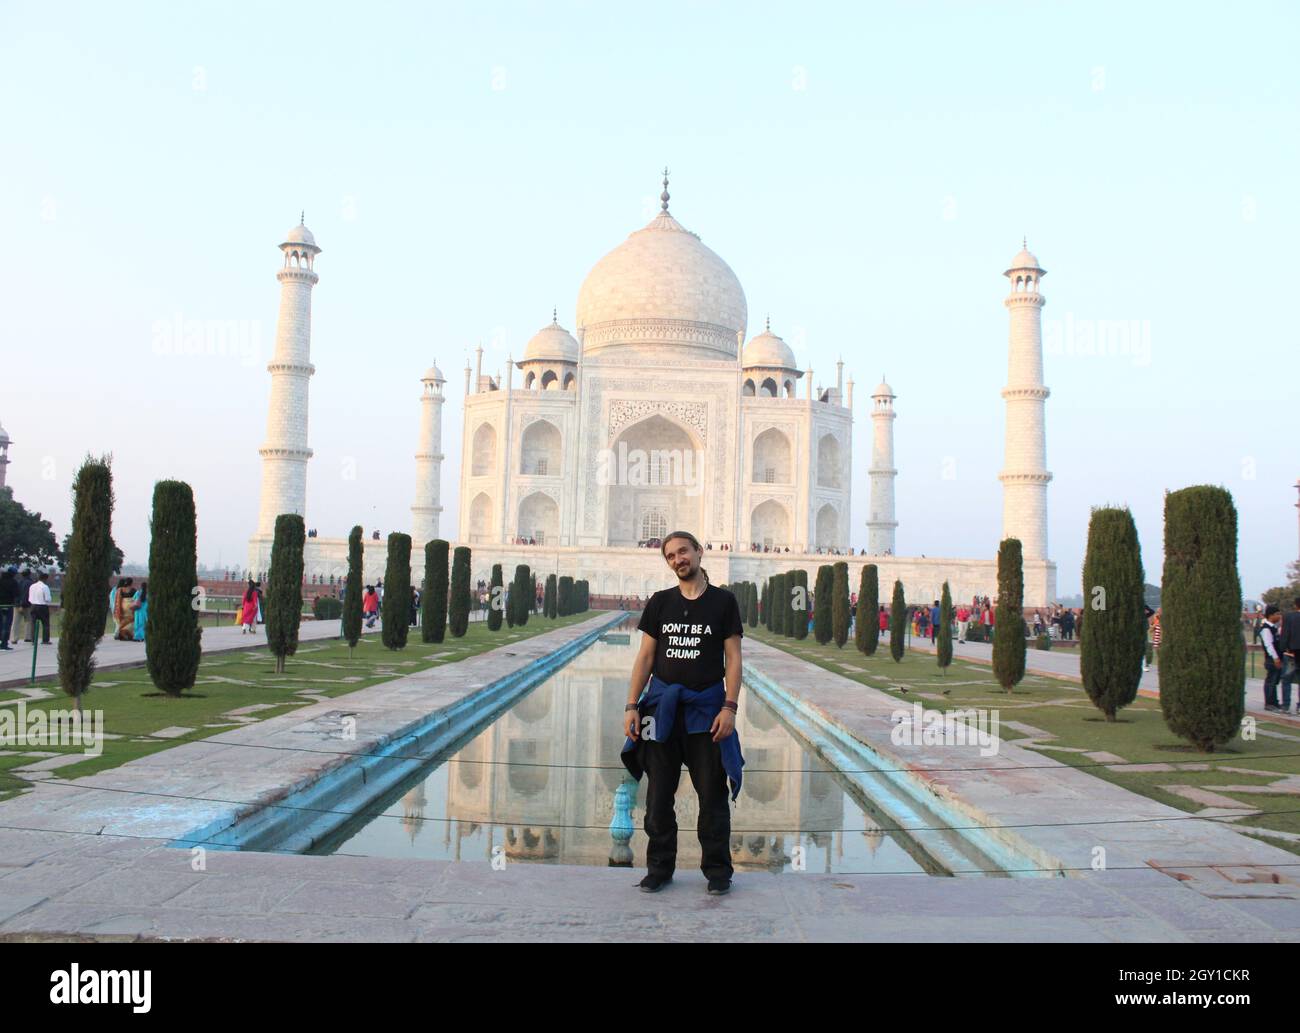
x: 663, y: 547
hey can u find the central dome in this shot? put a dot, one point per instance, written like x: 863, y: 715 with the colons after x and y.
x: 662, y: 285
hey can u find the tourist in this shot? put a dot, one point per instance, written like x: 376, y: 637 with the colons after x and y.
x: 8, y: 603
x: 248, y: 609
x: 1267, y: 635
x: 1155, y: 636
x: 986, y: 619
x: 415, y: 606
x: 39, y: 598
x: 140, y: 607
x: 370, y: 606
x: 1289, y: 645
x: 379, y: 590
x: 692, y: 692
x: 22, y: 615
x: 934, y: 620
x: 123, y: 615
x: 963, y: 622
x: 884, y: 621
x: 1067, y: 625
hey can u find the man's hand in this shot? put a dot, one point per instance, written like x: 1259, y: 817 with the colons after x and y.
x: 723, y: 725
x: 631, y: 723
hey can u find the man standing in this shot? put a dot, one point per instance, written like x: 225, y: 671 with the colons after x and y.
x: 686, y: 714
x: 1266, y: 635
x: 8, y: 603
x: 39, y: 597
x: 963, y: 621
x: 22, y: 614
x: 934, y: 621
x: 1288, y: 642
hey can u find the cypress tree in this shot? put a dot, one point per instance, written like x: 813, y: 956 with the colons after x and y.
x: 753, y: 605
x: 764, y: 606
x: 496, y: 599
x: 172, y: 632
x: 458, y: 608
x: 780, y: 604
x: 89, y: 565
x: 799, y: 604
x: 550, y: 601
x: 945, y: 630
x: 840, y: 603
x: 1009, y: 617
x: 1113, y: 639
x: 897, y: 623
x: 1202, y: 650
x: 822, y: 629
x: 433, y: 626
x: 351, y: 624
x: 564, y: 596
x: 867, y: 633
x: 283, y: 603
x: 396, y: 607
x: 523, y: 603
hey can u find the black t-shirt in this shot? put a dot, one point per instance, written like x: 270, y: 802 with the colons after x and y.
x: 689, y: 634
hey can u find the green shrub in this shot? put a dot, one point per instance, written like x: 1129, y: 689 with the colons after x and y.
x: 326, y: 608
x: 1009, y: 617
x: 282, y: 605
x: 1112, y: 640
x: 396, y: 607
x: 89, y: 565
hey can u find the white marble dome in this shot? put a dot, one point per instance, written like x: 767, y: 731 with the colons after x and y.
x: 552, y: 342
x: 434, y: 373
x: 766, y: 349
x: 1025, y: 260
x: 662, y: 284
x: 300, y: 234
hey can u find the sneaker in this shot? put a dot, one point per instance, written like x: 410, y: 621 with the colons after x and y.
x: 719, y: 886
x: 653, y: 882
x: 1271, y: 709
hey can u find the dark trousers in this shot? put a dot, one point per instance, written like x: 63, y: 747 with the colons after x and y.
x: 6, y: 624
x: 1285, y: 677
x: 1272, y: 675
x: 41, y: 616
x: 662, y: 762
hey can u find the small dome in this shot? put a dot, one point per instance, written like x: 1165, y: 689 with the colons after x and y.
x: 4, y: 436
x: 1025, y: 260
x: 433, y: 373
x: 766, y: 349
x: 552, y: 342
x: 883, y: 388
x: 300, y: 234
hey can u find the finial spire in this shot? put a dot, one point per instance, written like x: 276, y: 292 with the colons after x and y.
x: 768, y: 323
x: 664, y: 196
x: 555, y: 319
x: 1024, y: 242
x: 302, y: 218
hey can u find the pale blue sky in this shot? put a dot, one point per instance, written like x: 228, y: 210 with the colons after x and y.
x: 867, y: 170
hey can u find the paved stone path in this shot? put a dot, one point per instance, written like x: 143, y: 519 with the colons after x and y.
x: 79, y: 860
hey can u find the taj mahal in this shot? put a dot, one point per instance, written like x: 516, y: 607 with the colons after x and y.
x: 655, y: 413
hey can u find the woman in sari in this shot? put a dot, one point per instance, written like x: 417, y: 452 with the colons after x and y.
x: 140, y: 604
x: 249, y: 607
x: 123, y: 614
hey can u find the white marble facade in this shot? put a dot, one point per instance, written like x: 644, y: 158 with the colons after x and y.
x: 655, y: 413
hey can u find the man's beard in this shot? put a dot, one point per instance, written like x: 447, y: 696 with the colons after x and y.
x: 685, y: 573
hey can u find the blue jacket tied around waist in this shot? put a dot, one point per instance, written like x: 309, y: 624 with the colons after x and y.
x: 700, y: 708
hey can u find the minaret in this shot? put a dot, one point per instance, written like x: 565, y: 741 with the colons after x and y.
x: 4, y: 455
x: 881, y: 526
x: 478, y: 368
x: 428, y: 462
x: 285, y: 454
x: 1024, y: 476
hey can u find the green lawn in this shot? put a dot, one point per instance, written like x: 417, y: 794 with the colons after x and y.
x: 231, y: 680
x: 1062, y: 709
